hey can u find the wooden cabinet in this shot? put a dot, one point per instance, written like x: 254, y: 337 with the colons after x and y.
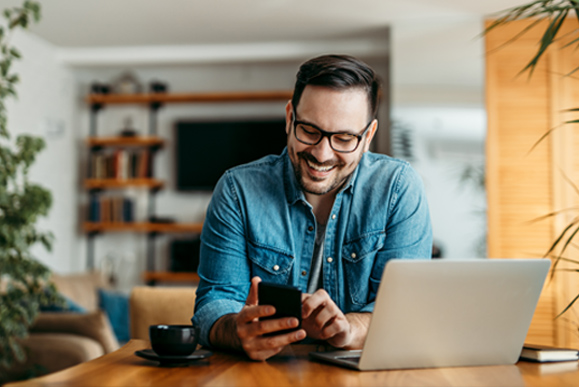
x: 96, y: 184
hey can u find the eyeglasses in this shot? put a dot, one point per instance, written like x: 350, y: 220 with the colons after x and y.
x: 310, y: 134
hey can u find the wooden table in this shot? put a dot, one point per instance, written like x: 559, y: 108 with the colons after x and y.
x: 291, y: 368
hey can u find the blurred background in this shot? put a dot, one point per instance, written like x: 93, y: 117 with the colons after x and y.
x: 428, y: 52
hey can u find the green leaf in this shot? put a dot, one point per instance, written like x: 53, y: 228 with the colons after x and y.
x: 547, y: 39
x: 560, y: 237
x: 568, y: 306
x: 544, y: 136
x: 551, y: 214
x: 15, y: 53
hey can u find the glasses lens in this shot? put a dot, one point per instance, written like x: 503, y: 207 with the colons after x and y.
x: 344, y: 142
x: 307, y: 134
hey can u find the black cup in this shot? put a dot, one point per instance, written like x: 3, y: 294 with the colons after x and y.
x: 173, y: 340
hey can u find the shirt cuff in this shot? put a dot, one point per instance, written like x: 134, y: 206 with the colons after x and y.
x: 210, y: 313
x: 367, y: 308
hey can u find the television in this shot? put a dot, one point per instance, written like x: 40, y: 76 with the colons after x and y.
x: 206, y: 149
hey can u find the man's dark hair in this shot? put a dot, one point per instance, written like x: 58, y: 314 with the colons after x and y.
x: 338, y: 72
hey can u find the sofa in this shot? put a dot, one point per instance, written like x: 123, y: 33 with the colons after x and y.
x: 159, y: 305
x: 59, y: 340
x: 62, y: 339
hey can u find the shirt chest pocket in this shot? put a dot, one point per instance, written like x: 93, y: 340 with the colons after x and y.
x: 269, y: 264
x: 358, y: 256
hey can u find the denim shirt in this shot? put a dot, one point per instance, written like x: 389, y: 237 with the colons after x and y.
x: 259, y: 224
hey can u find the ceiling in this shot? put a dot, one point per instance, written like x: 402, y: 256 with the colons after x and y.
x: 107, y: 23
x: 434, y: 42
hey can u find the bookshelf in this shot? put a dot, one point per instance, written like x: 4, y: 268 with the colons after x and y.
x: 118, y: 163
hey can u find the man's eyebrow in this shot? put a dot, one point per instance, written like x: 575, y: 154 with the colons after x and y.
x: 348, y: 131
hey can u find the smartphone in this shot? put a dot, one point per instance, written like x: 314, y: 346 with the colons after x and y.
x: 286, y: 299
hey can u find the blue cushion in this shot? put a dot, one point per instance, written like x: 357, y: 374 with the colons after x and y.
x: 116, y: 306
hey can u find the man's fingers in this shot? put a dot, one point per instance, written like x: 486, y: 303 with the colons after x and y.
x: 335, y: 327
x: 262, y: 327
x: 268, y: 343
x: 314, y: 301
x: 252, y: 298
x: 251, y: 312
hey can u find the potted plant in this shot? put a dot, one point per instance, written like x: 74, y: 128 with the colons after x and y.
x: 553, y: 13
x: 24, y: 282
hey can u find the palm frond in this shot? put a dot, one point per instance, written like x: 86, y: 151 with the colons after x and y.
x: 544, y: 136
x: 568, y: 306
x: 554, y: 213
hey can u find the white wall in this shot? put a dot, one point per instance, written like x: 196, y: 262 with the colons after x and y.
x: 46, y: 107
x: 446, y: 141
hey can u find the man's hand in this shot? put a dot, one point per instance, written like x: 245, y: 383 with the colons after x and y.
x: 250, y: 330
x: 323, y: 320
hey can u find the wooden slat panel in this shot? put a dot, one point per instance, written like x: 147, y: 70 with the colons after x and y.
x: 521, y: 186
x: 518, y: 182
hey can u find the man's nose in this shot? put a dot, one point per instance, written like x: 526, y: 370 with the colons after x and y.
x: 323, y: 151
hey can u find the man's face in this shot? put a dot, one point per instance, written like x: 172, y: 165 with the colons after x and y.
x: 320, y: 169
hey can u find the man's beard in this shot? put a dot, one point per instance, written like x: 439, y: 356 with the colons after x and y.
x: 311, y: 188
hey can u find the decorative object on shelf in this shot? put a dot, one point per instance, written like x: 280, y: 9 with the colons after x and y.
x: 24, y: 282
x: 99, y: 88
x: 128, y: 130
x: 161, y: 219
x: 127, y: 83
x: 158, y: 87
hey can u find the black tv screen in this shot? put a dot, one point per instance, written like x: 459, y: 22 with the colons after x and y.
x: 205, y: 150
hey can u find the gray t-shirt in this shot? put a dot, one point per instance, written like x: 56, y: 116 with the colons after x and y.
x: 315, y: 281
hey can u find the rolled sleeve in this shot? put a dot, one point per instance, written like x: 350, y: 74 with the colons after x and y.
x: 207, y: 315
x: 368, y: 308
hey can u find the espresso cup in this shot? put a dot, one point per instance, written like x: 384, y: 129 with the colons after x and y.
x: 173, y: 340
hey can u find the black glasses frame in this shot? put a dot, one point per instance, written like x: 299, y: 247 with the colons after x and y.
x: 328, y: 134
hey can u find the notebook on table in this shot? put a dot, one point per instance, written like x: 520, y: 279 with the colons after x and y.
x: 448, y: 313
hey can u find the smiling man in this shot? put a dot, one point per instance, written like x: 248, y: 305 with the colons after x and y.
x: 324, y: 216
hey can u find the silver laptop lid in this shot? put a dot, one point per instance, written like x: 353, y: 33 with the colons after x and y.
x: 444, y: 313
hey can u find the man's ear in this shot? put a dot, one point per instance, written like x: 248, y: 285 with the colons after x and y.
x: 289, y: 109
x: 370, y: 134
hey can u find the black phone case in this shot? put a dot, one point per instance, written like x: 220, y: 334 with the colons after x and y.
x: 286, y: 299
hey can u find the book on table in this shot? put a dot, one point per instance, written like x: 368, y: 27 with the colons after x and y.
x: 542, y: 353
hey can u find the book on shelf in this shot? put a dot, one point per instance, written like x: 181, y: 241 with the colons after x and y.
x: 542, y: 353
x: 94, y: 209
x: 112, y: 209
x: 120, y: 164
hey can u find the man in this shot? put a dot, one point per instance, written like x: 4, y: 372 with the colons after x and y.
x: 325, y: 216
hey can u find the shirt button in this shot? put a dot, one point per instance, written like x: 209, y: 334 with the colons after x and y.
x: 353, y: 255
x: 311, y: 228
x: 304, y: 272
x: 330, y: 259
x: 276, y: 268
x: 333, y: 216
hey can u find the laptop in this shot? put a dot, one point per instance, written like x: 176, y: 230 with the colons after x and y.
x: 448, y: 313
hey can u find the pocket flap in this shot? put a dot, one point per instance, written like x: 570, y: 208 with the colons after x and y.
x: 360, y: 247
x: 270, y: 259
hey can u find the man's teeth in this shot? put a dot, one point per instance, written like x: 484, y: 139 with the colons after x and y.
x: 319, y: 168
